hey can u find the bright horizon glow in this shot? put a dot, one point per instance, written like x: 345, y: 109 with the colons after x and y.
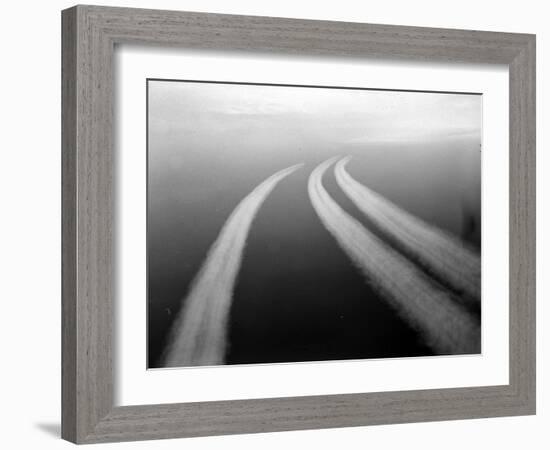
x: 363, y: 116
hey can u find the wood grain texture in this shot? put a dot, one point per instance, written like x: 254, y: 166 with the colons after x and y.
x: 89, y: 36
x: 68, y: 225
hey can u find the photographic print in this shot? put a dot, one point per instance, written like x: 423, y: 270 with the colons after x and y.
x: 294, y: 223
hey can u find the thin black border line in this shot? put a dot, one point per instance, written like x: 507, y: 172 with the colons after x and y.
x: 351, y: 88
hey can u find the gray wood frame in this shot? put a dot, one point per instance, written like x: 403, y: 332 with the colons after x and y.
x: 89, y: 36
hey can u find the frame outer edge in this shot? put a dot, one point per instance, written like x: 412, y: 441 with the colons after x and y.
x: 523, y: 226
x: 68, y: 225
x: 87, y: 165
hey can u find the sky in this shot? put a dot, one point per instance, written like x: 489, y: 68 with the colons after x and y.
x: 337, y: 115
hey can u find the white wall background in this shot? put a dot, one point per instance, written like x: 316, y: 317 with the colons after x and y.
x: 30, y: 226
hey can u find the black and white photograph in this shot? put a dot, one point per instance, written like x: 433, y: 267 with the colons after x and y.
x: 292, y: 223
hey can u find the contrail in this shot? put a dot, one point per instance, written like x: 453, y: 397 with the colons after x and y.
x: 199, y: 334
x: 445, y: 326
x: 442, y: 254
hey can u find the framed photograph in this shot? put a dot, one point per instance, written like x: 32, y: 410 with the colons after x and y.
x: 278, y: 224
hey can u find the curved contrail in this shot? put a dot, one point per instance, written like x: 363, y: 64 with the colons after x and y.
x: 443, y: 255
x: 445, y: 326
x: 199, y: 333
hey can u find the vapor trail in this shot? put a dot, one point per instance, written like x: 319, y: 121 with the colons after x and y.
x: 442, y: 254
x: 445, y: 326
x: 199, y: 333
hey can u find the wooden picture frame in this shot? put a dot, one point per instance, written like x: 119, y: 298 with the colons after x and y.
x: 89, y: 36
